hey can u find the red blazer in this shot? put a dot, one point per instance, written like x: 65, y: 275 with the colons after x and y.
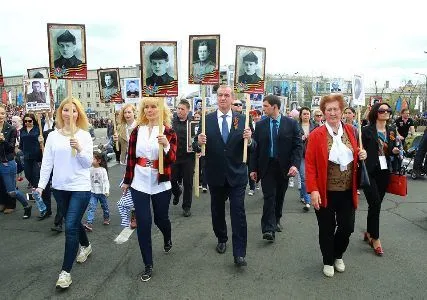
x: 168, y: 159
x: 316, y: 162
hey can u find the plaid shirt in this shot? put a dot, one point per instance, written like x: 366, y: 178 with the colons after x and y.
x: 168, y: 159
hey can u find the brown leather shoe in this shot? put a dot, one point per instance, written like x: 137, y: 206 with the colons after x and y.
x: 8, y: 211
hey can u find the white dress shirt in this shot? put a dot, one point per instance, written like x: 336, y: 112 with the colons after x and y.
x: 229, y: 117
x: 145, y: 178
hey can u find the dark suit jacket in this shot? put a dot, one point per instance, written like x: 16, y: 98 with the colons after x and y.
x: 289, y: 146
x: 224, y: 161
x: 370, y: 143
x: 159, y: 80
x: 245, y: 78
x: 71, y: 62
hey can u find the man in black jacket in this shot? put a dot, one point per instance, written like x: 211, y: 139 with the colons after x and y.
x: 183, y: 168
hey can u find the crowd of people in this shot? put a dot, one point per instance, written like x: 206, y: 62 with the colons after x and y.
x: 320, y: 147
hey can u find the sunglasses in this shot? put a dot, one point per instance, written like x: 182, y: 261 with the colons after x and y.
x: 319, y: 116
x: 383, y: 111
x: 237, y: 104
x: 28, y: 121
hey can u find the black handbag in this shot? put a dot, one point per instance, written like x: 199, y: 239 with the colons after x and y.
x: 363, y: 175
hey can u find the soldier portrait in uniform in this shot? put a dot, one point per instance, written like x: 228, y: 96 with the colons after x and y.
x: 109, y: 84
x: 315, y: 101
x: 159, y: 69
x: 358, y: 91
x: 38, y: 73
x: 250, y: 66
x: 192, y: 128
x: 67, y: 51
x: 37, y: 95
x: 197, y: 104
x: 132, y: 90
x: 203, y: 58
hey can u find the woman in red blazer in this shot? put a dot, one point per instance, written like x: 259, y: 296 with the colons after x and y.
x: 331, y: 179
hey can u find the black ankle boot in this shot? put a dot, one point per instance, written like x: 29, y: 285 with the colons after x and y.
x: 27, y: 212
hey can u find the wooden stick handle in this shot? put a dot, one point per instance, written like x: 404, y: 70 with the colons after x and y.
x: 70, y: 101
x: 245, y: 142
x: 359, y: 125
x: 203, y: 117
x: 40, y: 131
x: 115, y: 125
x: 161, y: 106
x: 196, y: 176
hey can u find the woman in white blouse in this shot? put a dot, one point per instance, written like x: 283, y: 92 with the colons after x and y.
x: 71, y: 180
x: 143, y: 178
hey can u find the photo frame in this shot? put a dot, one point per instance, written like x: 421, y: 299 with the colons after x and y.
x: 283, y: 104
x: 132, y: 90
x: 315, y: 102
x: 42, y: 72
x: 192, y: 128
x: 375, y: 99
x: 249, y: 76
x: 197, y: 104
x: 1, y: 75
x: 203, y: 59
x: 170, y: 102
x: 109, y: 85
x: 67, y: 51
x: 37, y: 95
x: 256, y: 101
x: 159, y: 68
x: 358, y: 88
x: 293, y: 105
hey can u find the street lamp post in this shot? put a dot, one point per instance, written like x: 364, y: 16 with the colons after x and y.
x: 425, y: 95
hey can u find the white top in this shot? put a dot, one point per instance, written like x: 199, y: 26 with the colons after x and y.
x: 99, y: 181
x: 70, y: 173
x: 46, y: 126
x: 229, y: 117
x: 145, y: 178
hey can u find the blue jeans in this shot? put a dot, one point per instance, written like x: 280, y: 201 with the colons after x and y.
x: 303, y: 191
x: 8, y: 175
x: 93, y: 203
x: 73, y: 206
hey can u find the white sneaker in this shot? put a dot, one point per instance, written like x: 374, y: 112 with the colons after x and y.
x: 64, y: 280
x: 339, y: 265
x: 306, y: 207
x: 328, y: 270
x: 251, y: 192
x: 257, y: 186
x: 84, y: 253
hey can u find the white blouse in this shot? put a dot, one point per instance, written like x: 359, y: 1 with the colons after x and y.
x: 145, y: 178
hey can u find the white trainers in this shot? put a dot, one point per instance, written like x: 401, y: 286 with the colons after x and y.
x: 84, y: 253
x: 64, y: 280
x: 306, y: 207
x: 251, y: 192
x: 328, y: 270
x: 339, y: 265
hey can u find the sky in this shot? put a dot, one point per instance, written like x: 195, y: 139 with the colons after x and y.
x: 378, y: 39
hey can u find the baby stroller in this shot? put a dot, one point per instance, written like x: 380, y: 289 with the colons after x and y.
x: 408, y: 160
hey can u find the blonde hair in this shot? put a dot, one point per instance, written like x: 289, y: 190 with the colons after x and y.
x: 121, y: 119
x: 81, y: 122
x: 142, y: 118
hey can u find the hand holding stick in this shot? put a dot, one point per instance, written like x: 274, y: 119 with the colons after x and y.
x: 41, y: 141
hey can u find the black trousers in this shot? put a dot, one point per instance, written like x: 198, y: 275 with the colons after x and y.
x: 183, y: 170
x: 374, y: 196
x: 236, y: 195
x: 336, y: 224
x: 274, y: 185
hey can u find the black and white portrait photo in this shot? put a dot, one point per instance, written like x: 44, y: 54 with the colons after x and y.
x: 37, y: 94
x: 204, y: 59
x: 38, y: 73
x: 293, y: 105
x: 132, y: 91
x: 170, y: 102
x: 192, y: 128
x: 358, y: 91
x: 159, y: 68
x: 109, y: 85
x: 250, y: 69
x: 67, y: 51
x: 197, y: 104
x: 315, y: 101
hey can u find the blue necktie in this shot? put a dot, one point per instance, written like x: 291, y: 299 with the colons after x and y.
x: 224, y: 128
x: 274, y: 138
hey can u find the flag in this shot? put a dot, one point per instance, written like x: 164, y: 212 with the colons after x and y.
x: 19, y: 99
x: 10, y: 97
x: 398, y: 106
x: 4, y: 97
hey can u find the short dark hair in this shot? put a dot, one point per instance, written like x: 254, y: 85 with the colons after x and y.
x: 300, y: 112
x: 350, y: 108
x: 273, y: 100
x: 403, y: 110
x: 373, y: 114
x: 36, y: 81
x: 185, y: 103
x: 204, y: 43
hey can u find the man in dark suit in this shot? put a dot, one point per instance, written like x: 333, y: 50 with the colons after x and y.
x: 277, y: 155
x: 159, y: 61
x: 250, y: 65
x: 67, y: 47
x: 227, y: 175
x: 36, y: 95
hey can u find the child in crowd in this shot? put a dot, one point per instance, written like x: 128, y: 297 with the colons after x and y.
x: 100, y: 188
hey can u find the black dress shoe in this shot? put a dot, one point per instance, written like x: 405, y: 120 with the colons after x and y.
x: 221, y: 247
x: 167, y: 246
x: 269, y: 236
x: 57, y: 228
x: 239, y: 261
x: 186, y: 213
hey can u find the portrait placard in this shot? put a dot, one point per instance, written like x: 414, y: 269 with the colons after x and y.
x: 159, y: 69
x: 250, y: 69
x: 283, y: 104
x: 42, y: 72
x: 67, y: 51
x: 315, y: 102
x: 197, y: 104
x: 192, y: 128
x: 203, y: 59
x: 170, y: 102
x: 256, y: 101
x: 358, y: 91
x: 37, y: 97
x: 293, y: 105
x: 109, y: 85
x: 1, y: 75
x: 378, y: 99
x: 132, y: 90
